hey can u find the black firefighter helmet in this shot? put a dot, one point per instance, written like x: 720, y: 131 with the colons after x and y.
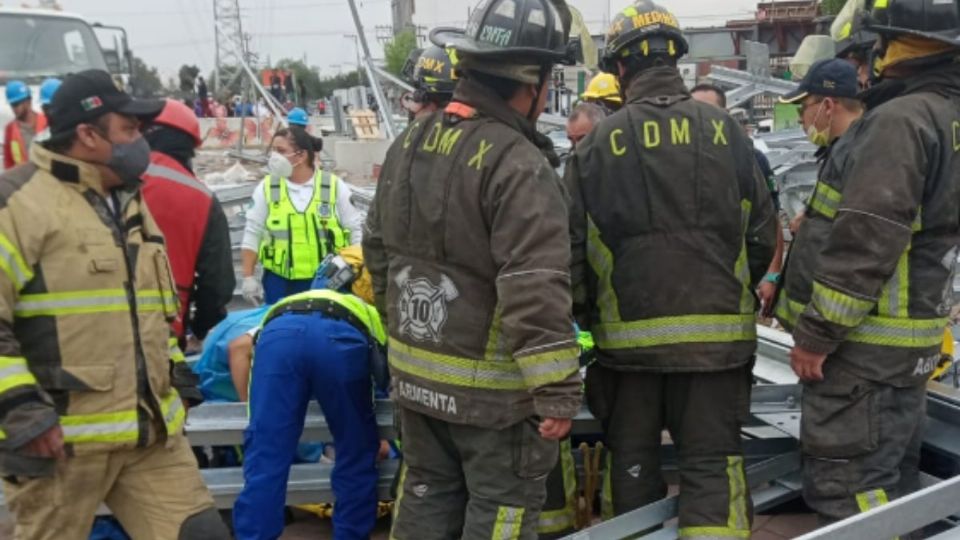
x: 514, y: 32
x: 847, y: 30
x: 434, y: 72
x: 937, y: 20
x: 645, y: 29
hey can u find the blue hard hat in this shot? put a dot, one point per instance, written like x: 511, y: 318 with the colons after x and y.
x: 298, y: 117
x: 47, y: 89
x: 17, y: 91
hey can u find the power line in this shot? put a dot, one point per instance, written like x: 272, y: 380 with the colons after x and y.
x: 270, y: 8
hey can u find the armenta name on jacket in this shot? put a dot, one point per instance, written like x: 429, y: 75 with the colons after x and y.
x: 427, y: 398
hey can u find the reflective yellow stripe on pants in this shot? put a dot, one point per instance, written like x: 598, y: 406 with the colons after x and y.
x: 738, y: 521
x: 554, y: 521
x: 509, y: 523
x: 874, y: 498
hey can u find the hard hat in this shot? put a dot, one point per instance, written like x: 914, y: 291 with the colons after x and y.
x: 48, y: 88
x: 644, y: 29
x: 17, y: 92
x: 434, y: 73
x: 848, y: 32
x: 518, y: 32
x: 936, y: 20
x: 176, y: 115
x: 298, y: 117
x: 603, y: 87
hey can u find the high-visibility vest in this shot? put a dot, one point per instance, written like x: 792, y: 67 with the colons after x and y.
x: 180, y: 204
x: 16, y: 151
x: 295, y: 243
x: 348, y: 307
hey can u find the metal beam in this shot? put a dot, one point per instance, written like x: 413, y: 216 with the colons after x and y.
x: 385, y: 108
x: 906, y: 514
x: 653, y: 515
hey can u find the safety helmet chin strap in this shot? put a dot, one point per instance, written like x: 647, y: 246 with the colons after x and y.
x: 545, y: 70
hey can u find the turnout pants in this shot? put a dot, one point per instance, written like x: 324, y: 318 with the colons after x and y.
x: 461, y: 481
x: 861, y: 442
x: 703, y: 413
x: 300, y: 357
x: 155, y: 492
x: 559, y: 515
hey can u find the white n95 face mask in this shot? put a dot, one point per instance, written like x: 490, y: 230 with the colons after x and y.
x: 279, y: 166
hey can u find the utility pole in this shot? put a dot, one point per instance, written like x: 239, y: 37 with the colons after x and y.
x: 230, y: 41
x: 385, y: 108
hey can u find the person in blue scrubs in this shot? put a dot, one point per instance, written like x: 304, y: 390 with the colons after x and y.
x: 325, y: 345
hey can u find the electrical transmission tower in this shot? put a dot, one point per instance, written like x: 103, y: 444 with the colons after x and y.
x: 231, y: 42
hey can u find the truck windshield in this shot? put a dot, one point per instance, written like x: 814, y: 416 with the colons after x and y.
x: 33, y: 47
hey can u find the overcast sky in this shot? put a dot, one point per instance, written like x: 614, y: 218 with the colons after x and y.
x: 171, y: 33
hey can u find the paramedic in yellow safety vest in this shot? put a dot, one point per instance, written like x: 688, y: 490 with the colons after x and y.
x: 300, y: 213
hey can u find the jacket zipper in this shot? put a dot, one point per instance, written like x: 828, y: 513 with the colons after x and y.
x: 143, y: 385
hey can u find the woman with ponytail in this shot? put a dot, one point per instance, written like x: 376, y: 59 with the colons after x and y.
x: 300, y: 214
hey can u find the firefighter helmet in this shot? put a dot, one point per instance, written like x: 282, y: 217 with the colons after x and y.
x: 434, y: 72
x: 645, y: 29
x: 603, y: 87
x: 936, y: 20
x: 176, y: 115
x: 514, y: 31
x: 848, y: 32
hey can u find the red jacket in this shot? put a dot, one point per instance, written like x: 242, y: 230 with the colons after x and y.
x: 15, y: 150
x: 198, y: 242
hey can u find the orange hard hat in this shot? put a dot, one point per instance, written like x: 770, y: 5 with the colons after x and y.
x: 178, y: 116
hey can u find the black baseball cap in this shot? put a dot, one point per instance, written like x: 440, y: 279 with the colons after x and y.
x: 832, y: 77
x: 90, y: 94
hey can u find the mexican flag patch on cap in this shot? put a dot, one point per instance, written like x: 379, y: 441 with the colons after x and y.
x: 91, y: 103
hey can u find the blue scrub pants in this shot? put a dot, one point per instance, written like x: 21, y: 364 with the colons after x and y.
x: 299, y: 357
x: 276, y: 288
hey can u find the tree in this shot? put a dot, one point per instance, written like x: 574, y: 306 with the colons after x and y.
x: 831, y: 7
x: 303, y: 73
x: 146, y: 80
x: 398, y: 50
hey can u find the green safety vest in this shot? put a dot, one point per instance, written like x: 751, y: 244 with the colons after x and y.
x: 330, y: 301
x: 295, y: 243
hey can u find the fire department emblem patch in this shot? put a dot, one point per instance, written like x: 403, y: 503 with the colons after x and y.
x: 423, y: 305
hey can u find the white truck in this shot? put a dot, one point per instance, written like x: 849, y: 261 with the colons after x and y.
x: 37, y: 43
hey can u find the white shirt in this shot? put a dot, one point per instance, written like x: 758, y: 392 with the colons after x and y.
x: 300, y: 196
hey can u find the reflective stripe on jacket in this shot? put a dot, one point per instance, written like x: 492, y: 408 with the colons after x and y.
x: 672, y: 227
x: 870, y: 274
x: 466, y: 242
x: 86, y: 298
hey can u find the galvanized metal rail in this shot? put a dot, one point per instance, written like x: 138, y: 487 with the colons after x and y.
x: 773, y: 432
